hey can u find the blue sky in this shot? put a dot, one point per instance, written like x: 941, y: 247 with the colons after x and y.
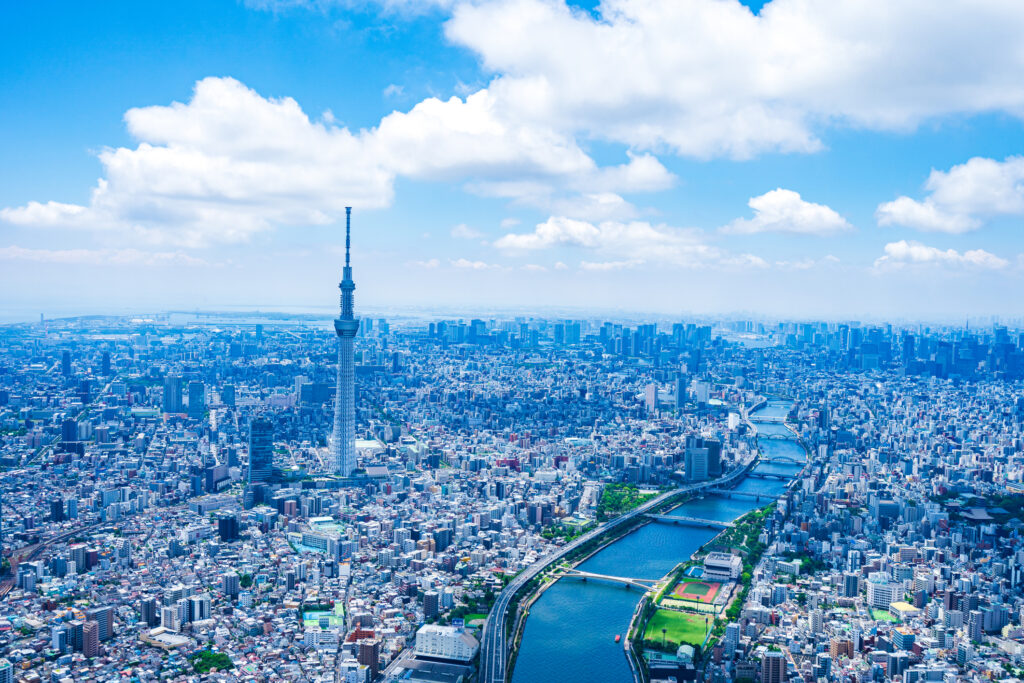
x: 838, y: 158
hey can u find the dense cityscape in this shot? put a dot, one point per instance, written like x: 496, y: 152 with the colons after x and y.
x: 512, y: 341
x: 188, y: 495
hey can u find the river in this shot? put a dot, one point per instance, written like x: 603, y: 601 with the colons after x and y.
x: 570, y: 633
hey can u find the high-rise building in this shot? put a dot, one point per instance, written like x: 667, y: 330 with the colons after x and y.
x: 431, y: 601
x: 851, y: 586
x: 974, y: 622
x: 230, y: 583
x: 75, y: 629
x: 227, y: 528
x: 696, y: 464
x: 838, y: 647
x: 196, y: 400
x: 149, y: 612
x: 731, y: 640
x: 651, y: 397
x: 680, y: 397
x: 346, y: 326
x: 104, y: 617
x: 90, y: 639
x: 69, y: 430
x: 817, y: 621
x: 169, y: 618
x: 773, y: 668
x: 105, y: 363
x: 199, y: 607
x: 261, y: 449
x: 369, y: 655
x: 58, y: 640
x: 6, y: 671
x: 65, y: 363
x: 172, y: 394
x: 823, y: 667
x: 57, y: 510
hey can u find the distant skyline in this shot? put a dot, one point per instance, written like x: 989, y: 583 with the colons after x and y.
x: 816, y: 159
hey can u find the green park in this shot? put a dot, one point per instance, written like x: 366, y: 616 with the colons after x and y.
x: 669, y: 629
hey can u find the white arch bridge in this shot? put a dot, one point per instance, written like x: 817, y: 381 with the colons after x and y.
x: 642, y: 584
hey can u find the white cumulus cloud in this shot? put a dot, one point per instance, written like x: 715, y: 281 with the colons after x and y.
x: 904, y: 253
x: 556, y: 231
x: 624, y: 244
x: 231, y: 163
x: 961, y: 198
x: 35, y: 213
x: 784, y: 211
x: 709, y: 78
x: 697, y: 78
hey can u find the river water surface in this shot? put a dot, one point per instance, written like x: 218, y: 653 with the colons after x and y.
x: 570, y: 634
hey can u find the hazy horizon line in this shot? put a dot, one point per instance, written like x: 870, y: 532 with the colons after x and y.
x: 543, y: 312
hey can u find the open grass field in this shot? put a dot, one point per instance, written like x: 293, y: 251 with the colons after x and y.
x: 883, y: 615
x: 696, y: 590
x: 680, y: 627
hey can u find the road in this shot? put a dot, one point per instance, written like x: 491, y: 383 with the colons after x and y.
x: 394, y: 669
x: 494, y: 645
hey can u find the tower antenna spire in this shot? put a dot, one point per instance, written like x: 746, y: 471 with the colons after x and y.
x: 348, y: 233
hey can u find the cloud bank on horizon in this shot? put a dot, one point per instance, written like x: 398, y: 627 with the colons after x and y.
x: 662, y: 83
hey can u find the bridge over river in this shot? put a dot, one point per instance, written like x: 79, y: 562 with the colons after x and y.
x: 642, y: 584
x: 729, y: 493
x: 691, y: 521
x: 770, y: 475
x: 792, y: 460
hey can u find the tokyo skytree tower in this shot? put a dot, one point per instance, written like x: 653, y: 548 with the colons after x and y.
x: 343, y: 442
